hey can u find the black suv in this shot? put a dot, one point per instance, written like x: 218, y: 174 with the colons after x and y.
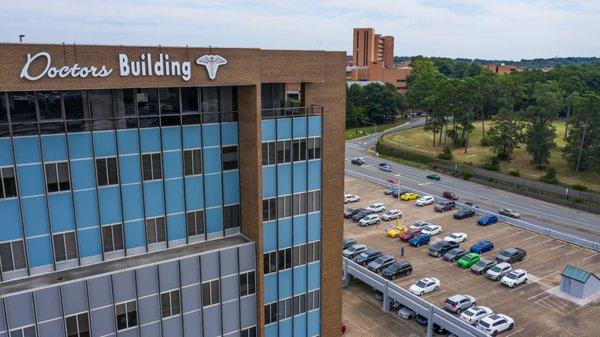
x: 357, y: 161
x: 454, y: 254
x: 367, y: 256
x: 511, y: 255
x: 464, y: 213
x: 349, y: 212
x: 359, y: 215
x: 398, y: 268
x: 440, y: 248
x: 396, y: 193
x: 444, y: 205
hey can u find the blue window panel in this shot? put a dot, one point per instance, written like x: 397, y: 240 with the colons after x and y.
x: 314, y: 226
x: 129, y: 169
x: 211, y: 135
x: 153, y: 197
x: 89, y: 242
x: 314, y: 175
x: 135, y: 234
x: 213, y: 190
x: 285, y: 328
x: 284, y: 179
x: 86, y: 210
x: 214, y: 220
x: 5, y: 152
x: 270, y: 235
x: 105, y: 144
x: 110, y: 205
x: 268, y: 181
x: 39, y: 251
x: 172, y: 164
x: 35, y: 216
x: 192, y: 136
x: 176, y: 226
x: 271, y: 330
x: 285, y: 233
x: 174, y: 196
x: 83, y: 174
x: 267, y: 130
x: 285, y: 283
x: 150, y: 140
x: 299, y: 280
x: 61, y: 212
x: 299, y: 127
x: 284, y: 128
x: 212, y: 160
x: 299, y: 229
x: 231, y: 187
x: 11, y: 220
x: 54, y: 147
x: 31, y: 180
x: 300, y: 325
x: 133, y: 208
x: 171, y: 138
x: 314, y: 321
x: 314, y: 126
x: 27, y: 150
x: 230, y: 133
x: 270, y: 287
x: 128, y: 141
x: 193, y: 193
x: 80, y: 145
x: 299, y: 177
x: 314, y: 276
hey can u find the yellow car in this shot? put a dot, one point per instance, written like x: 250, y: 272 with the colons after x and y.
x: 409, y: 196
x: 397, y: 231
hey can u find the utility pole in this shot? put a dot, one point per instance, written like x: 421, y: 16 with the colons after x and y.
x: 581, y: 146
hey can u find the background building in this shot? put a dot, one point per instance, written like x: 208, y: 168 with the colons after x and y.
x: 503, y: 69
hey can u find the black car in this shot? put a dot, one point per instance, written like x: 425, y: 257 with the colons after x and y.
x: 398, y: 192
x: 359, y: 215
x: 348, y: 242
x: 398, y: 268
x: 464, y: 213
x: 349, y: 212
x: 367, y: 256
x: 357, y: 161
x: 511, y: 255
x: 390, y: 190
x: 421, y: 319
x: 441, y: 247
x: 433, y: 177
x: 454, y: 254
x: 482, y: 266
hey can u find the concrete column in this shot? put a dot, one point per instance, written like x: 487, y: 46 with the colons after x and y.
x: 430, y: 322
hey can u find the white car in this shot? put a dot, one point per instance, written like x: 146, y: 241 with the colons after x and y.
x: 419, y: 225
x: 475, y: 314
x: 514, y: 278
x: 354, y: 250
x: 351, y: 198
x: 369, y: 220
x: 495, y: 323
x: 498, y: 271
x: 424, y: 286
x: 425, y: 200
x: 456, y: 237
x: 392, y: 214
x: 376, y: 207
x: 431, y: 230
x: 406, y: 313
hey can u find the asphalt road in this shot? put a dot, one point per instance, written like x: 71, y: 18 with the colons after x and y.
x: 541, y: 213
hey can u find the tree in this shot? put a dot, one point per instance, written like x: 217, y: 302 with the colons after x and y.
x: 355, y: 110
x: 421, y: 83
x: 382, y: 102
x: 506, y: 133
x: 582, y: 149
x: 570, y: 102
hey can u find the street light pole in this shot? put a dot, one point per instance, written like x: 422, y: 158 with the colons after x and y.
x: 370, y: 123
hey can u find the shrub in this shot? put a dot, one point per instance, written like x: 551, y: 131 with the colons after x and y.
x: 446, y: 153
x: 466, y: 175
x: 485, y: 142
x: 579, y: 187
x: 493, y: 164
x: 515, y: 173
x: 578, y: 200
x: 550, y: 177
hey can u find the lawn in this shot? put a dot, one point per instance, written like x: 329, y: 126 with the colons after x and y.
x: 419, y: 140
x: 352, y: 133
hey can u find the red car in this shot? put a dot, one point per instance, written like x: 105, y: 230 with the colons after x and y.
x: 449, y: 195
x: 410, y: 234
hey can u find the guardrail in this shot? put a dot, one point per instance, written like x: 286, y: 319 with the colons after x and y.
x: 420, y: 306
x: 515, y: 222
x: 292, y: 111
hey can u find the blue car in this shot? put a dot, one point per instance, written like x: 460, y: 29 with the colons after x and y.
x: 482, y: 247
x: 385, y: 167
x: 487, y: 220
x: 419, y: 240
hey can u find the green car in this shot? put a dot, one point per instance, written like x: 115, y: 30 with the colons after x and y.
x: 468, y: 260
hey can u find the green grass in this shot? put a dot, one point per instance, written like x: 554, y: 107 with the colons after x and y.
x: 366, y: 130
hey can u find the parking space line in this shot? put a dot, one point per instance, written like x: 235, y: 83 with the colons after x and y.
x: 531, y: 237
x: 555, y: 248
x: 515, y: 332
x: 575, y: 251
x: 434, y: 293
x: 534, y: 296
x: 589, y: 257
x: 541, y: 243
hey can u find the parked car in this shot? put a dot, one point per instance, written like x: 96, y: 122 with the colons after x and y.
x: 389, y: 190
x: 425, y: 200
x: 432, y: 230
x: 459, y: 303
x: 392, y: 181
x: 352, y: 251
x: 410, y: 233
x: 359, y: 215
x: 376, y: 207
x: 482, y: 266
x: 349, y: 212
x: 378, y: 295
x: 441, y: 247
x: 406, y: 313
x: 444, y: 205
x: 456, y: 237
x: 351, y: 198
x: 385, y: 167
x: 495, y: 324
x: 419, y: 240
x: 419, y: 225
x: 420, y: 319
x: 475, y: 313
x: 487, y: 220
x: 358, y: 161
x: 380, y: 263
x: 398, y: 268
x: 409, y: 196
x: 399, y: 192
x: 468, y: 260
x: 438, y: 329
x: 425, y: 285
x: 433, y: 176
x: 471, y: 204
x: 454, y: 254
x: 498, y: 271
x: 397, y: 231
x: 348, y: 242
x: 509, y: 212
x: 481, y: 247
x: 449, y: 195
x: 366, y: 256
x: 392, y: 214
x: 369, y: 220
x: 514, y: 278
x: 511, y: 255
x: 464, y: 213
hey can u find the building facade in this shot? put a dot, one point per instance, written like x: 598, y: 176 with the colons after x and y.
x: 155, y: 191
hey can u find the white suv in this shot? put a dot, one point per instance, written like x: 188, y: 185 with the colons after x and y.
x: 391, y: 215
x: 495, y: 323
x: 351, y: 198
x: 498, y: 271
x: 376, y: 207
x: 425, y: 200
x: 368, y: 220
x: 514, y: 278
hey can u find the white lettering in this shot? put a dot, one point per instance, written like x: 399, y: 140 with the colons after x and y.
x: 123, y: 65
x: 186, y: 70
x: 30, y: 59
x: 159, y: 67
x: 62, y: 72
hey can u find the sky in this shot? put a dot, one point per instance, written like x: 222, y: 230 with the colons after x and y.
x: 491, y: 29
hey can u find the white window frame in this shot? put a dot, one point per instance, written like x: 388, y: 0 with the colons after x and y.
x: 108, y: 182
x: 210, y: 288
x: 126, y: 306
x: 3, y: 188
x: 64, y: 233
x: 155, y: 229
x: 192, y: 151
x: 12, y: 255
x: 77, y: 322
x: 152, y: 154
x: 55, y: 166
x: 171, y: 294
x: 112, y: 234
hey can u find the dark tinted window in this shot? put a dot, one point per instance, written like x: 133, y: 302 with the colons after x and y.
x: 210, y: 99
x: 230, y: 158
x: 49, y: 105
x: 75, y: 105
x: 22, y: 106
x: 169, y: 101
x: 189, y: 99
x: 3, y: 109
x: 147, y: 101
x: 101, y: 106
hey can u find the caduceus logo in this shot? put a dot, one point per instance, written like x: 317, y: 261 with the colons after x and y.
x: 212, y: 63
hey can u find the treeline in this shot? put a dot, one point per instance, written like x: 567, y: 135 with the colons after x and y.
x: 373, y: 103
x: 537, y: 63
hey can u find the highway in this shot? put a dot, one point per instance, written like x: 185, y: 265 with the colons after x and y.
x: 541, y: 213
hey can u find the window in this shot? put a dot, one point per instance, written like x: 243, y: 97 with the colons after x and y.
x: 247, y: 283
x: 152, y: 166
x: 314, y: 148
x: 231, y: 216
x: 210, y: 99
x: 299, y: 149
x: 192, y: 162
x: 126, y: 315
x: 299, y: 203
x: 313, y: 300
x: 270, y: 313
x: 270, y: 262
x: 125, y: 107
x: 230, y: 157
x: 107, y: 172
x: 313, y: 251
x: 78, y: 325
x: 170, y: 303
x: 299, y: 255
x: 101, y: 106
x: 284, y: 151
x: 8, y: 183
x: 169, y: 101
x: 155, y: 230
x: 285, y: 309
x: 269, y: 209
x: 112, y: 237
x: 195, y: 223
x: 49, y: 105
x: 272, y: 95
x: 284, y: 206
x: 189, y: 100
x: 57, y: 177
x: 248, y: 332
x: 299, y: 304
x: 284, y: 258
x: 268, y: 153
x: 210, y: 293
x: 12, y: 255
x: 314, y: 201
x: 147, y: 101
x: 22, y: 106
x: 65, y: 246
x: 23, y: 332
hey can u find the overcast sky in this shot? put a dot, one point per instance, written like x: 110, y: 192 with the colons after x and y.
x: 493, y: 29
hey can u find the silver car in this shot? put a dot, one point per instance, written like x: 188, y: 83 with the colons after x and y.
x: 354, y: 250
x: 498, y: 271
x: 380, y: 263
x: 459, y: 303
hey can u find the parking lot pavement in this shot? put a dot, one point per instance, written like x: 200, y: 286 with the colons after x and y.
x: 535, y: 311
